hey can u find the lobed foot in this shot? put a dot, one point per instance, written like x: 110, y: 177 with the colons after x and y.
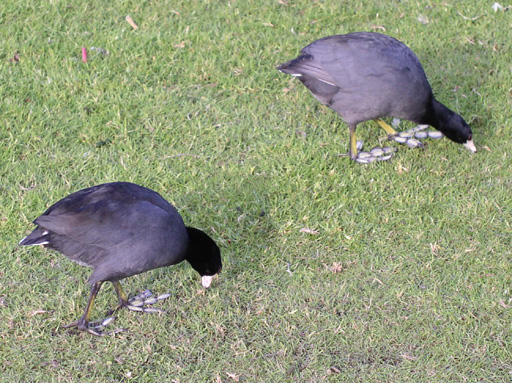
x: 95, y: 328
x: 139, y: 302
x: 412, y: 136
x: 376, y: 154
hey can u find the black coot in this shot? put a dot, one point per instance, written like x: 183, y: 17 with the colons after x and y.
x: 365, y: 76
x: 121, y: 229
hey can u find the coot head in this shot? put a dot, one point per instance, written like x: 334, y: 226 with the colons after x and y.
x: 456, y: 129
x: 203, y: 255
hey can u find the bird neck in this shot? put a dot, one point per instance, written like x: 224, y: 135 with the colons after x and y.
x: 439, y: 116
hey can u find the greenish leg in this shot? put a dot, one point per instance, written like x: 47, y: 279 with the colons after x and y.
x: 353, y: 142
x: 389, y: 130
x: 406, y: 137
x: 83, y: 323
x: 121, y: 296
x: 376, y: 154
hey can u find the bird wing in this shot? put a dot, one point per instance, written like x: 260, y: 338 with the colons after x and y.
x: 351, y: 59
x: 105, y: 223
x: 104, y: 214
x: 306, y: 65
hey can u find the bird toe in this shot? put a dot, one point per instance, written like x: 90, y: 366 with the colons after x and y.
x: 435, y: 135
x: 421, y: 135
x: 413, y: 143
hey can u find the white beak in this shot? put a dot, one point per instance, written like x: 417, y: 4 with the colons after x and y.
x: 206, y: 280
x: 470, y: 145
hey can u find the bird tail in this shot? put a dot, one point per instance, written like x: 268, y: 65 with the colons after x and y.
x: 308, y: 71
x: 295, y: 67
x: 39, y: 236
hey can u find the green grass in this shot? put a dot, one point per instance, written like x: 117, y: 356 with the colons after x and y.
x: 408, y: 278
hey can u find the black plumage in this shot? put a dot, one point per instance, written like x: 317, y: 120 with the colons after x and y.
x: 365, y: 76
x: 121, y: 229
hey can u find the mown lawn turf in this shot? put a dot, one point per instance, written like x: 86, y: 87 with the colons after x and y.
x: 333, y: 271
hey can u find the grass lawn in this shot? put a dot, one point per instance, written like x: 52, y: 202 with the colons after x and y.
x: 333, y: 271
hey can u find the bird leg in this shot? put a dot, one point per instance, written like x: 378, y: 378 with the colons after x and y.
x: 353, y: 142
x: 95, y: 328
x: 387, y: 128
x: 83, y: 323
x: 402, y: 137
x: 137, y: 302
x: 376, y: 154
x: 121, y: 296
x: 409, y: 137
